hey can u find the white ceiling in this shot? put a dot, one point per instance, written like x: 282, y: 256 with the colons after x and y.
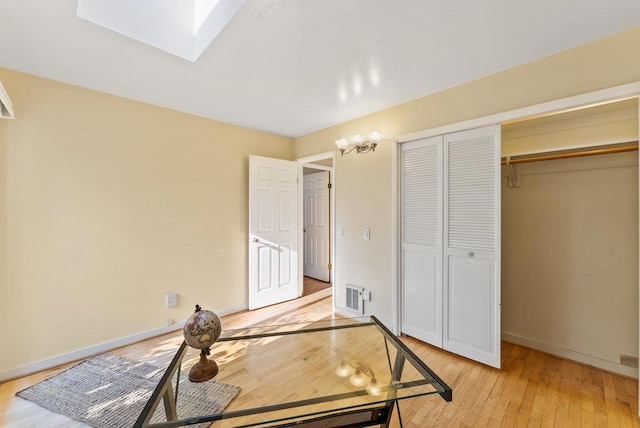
x: 291, y: 67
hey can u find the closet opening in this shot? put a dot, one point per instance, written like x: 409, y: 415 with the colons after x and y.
x: 569, y: 285
x: 569, y: 232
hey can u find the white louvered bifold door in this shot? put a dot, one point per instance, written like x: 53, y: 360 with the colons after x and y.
x: 421, y: 223
x: 471, y: 299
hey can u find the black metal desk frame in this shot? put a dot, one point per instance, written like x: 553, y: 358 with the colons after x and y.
x: 367, y: 415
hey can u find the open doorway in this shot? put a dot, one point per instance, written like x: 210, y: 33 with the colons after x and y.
x: 316, y: 187
x: 276, y: 228
x: 316, y: 214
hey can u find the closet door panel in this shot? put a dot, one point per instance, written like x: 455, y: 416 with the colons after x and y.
x: 421, y: 220
x: 422, y: 314
x: 471, y: 297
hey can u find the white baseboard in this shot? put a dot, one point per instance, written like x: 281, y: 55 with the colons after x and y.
x: 79, y: 354
x: 233, y: 310
x: 346, y: 312
x: 571, y: 355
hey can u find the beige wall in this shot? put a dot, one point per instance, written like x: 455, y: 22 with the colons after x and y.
x: 570, y: 256
x: 110, y: 204
x: 611, y: 123
x: 363, y: 182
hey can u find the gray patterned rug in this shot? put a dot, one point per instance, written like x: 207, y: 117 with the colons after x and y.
x: 108, y: 391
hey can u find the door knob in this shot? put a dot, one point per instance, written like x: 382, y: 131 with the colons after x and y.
x: 256, y: 240
x: 470, y: 253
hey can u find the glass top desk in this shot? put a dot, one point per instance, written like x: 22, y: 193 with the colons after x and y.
x: 335, y: 373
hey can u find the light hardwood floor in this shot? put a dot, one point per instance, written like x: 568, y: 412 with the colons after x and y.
x: 311, y: 285
x: 532, y: 389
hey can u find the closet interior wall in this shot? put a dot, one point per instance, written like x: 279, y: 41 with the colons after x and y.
x: 570, y: 238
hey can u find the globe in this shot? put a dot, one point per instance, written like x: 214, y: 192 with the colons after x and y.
x: 202, y: 329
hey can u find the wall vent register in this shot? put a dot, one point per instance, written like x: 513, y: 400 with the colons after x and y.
x: 354, y: 298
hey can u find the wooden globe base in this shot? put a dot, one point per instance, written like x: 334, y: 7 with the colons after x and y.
x: 204, y: 369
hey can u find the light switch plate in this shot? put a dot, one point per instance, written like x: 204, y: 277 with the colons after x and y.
x: 366, y: 233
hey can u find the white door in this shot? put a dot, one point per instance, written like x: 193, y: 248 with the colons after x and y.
x: 421, y: 231
x: 472, y: 244
x: 273, y: 265
x: 316, y: 225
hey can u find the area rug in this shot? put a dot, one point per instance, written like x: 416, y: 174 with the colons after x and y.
x: 108, y: 391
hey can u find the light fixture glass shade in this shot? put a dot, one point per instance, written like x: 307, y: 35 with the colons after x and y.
x: 342, y: 143
x: 375, y: 137
x: 344, y: 369
x: 358, y: 379
x: 357, y: 139
x: 374, y: 388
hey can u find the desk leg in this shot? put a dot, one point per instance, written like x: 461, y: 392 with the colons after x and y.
x: 170, y: 404
x: 389, y: 407
x: 396, y: 374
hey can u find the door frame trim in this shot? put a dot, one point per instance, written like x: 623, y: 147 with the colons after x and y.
x: 589, y: 99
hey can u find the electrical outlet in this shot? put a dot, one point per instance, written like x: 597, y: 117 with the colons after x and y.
x: 172, y: 300
x: 341, y: 232
x: 170, y: 322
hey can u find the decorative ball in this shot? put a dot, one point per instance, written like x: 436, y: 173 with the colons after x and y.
x: 202, y: 329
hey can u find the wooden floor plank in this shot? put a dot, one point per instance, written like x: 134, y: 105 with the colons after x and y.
x: 532, y: 389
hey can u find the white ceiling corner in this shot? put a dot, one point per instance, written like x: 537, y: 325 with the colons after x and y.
x: 184, y: 28
x: 291, y: 67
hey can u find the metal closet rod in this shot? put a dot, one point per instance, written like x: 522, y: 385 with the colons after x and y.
x: 591, y: 152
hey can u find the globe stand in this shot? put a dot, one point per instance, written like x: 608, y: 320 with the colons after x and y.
x: 204, y: 369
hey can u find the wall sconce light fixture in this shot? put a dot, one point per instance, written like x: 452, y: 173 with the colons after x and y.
x: 359, y: 143
x: 360, y: 374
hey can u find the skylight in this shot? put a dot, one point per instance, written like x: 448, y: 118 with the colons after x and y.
x: 181, y: 27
